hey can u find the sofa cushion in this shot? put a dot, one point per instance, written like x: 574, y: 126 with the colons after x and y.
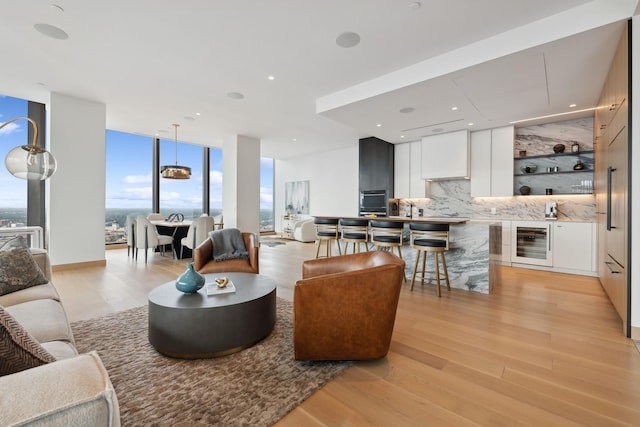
x: 60, y: 349
x: 18, y: 349
x: 44, y: 319
x: 46, y: 291
x: 18, y: 269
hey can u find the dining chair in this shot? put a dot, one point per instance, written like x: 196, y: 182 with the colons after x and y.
x: 147, y: 236
x: 130, y: 226
x: 155, y: 217
x: 198, y: 232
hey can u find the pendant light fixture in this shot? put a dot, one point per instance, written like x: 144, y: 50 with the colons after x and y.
x: 30, y: 161
x: 175, y: 171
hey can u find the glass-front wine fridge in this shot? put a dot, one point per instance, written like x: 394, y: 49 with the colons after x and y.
x: 531, y: 243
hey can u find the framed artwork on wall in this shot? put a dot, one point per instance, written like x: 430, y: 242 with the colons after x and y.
x: 296, y: 197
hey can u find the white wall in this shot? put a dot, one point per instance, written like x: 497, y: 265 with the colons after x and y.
x: 333, y: 182
x: 76, y: 192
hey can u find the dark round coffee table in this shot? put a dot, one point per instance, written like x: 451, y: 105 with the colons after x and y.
x: 194, y: 326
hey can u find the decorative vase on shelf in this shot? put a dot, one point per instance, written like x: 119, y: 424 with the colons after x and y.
x: 190, y: 281
x: 578, y: 166
x: 558, y: 148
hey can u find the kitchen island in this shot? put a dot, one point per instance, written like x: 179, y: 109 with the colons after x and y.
x: 474, y: 256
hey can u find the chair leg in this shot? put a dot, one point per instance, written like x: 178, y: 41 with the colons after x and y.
x: 318, y: 248
x: 415, y: 268
x: 424, y: 267
x: 437, y: 273
x: 145, y: 255
x: 446, y: 272
x: 339, y: 251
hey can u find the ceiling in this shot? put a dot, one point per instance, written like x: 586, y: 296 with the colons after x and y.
x: 154, y: 63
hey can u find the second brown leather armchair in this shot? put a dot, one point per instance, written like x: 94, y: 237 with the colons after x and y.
x: 345, y: 306
x: 204, y: 263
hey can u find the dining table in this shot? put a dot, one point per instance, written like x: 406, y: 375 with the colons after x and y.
x: 178, y: 230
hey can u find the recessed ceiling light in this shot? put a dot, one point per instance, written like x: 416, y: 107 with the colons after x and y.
x: 572, y: 105
x: 401, y: 136
x: 271, y: 78
x: 454, y: 108
x: 197, y: 114
x: 51, y: 31
x: 235, y: 95
x: 470, y: 123
x: 406, y: 110
x: 57, y: 8
x: 295, y: 139
x: 379, y: 125
x: 348, y: 40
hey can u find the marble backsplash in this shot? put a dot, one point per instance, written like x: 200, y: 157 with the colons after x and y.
x: 453, y: 198
x: 540, y: 139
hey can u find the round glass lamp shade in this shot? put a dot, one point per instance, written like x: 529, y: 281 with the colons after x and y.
x: 175, y: 172
x: 29, y: 162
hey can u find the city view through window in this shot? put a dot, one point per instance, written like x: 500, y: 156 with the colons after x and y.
x: 129, y: 178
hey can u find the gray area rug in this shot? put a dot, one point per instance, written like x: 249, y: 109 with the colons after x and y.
x: 255, y: 387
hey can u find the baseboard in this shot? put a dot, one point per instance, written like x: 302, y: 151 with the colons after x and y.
x: 76, y: 265
x: 635, y: 332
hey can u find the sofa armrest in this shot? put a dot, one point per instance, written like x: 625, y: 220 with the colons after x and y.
x: 202, y: 254
x: 75, y: 391
x: 252, y: 246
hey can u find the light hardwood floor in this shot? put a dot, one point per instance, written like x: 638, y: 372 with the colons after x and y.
x: 543, y: 349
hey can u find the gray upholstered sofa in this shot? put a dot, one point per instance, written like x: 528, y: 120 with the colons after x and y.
x: 73, y: 390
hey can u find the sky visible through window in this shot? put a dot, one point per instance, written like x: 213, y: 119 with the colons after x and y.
x: 13, y: 191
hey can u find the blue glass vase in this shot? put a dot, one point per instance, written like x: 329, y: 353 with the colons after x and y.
x: 190, y: 281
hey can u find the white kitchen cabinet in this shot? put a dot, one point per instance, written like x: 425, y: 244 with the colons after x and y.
x: 492, y: 162
x: 416, y: 182
x: 573, y: 246
x: 401, y: 170
x: 407, y: 180
x: 502, y: 161
x: 446, y: 156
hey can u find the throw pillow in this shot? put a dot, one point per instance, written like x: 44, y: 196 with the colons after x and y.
x: 18, y: 270
x: 18, y: 349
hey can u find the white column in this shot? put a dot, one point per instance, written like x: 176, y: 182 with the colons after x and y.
x: 241, y: 183
x: 76, y: 192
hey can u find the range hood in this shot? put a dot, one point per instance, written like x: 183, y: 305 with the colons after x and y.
x: 446, y: 156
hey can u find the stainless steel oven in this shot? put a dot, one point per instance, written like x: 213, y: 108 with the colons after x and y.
x: 373, y: 202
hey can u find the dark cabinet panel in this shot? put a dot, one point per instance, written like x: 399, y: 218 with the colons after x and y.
x: 376, y: 165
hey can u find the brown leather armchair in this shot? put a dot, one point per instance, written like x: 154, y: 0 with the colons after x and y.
x: 344, y: 307
x: 203, y: 258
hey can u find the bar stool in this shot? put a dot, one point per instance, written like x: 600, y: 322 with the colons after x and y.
x: 327, y: 232
x: 356, y: 232
x: 387, y: 235
x: 430, y: 237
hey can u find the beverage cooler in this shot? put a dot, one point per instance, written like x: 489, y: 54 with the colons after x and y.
x: 531, y: 243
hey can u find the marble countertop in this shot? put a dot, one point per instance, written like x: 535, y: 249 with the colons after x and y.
x: 450, y: 220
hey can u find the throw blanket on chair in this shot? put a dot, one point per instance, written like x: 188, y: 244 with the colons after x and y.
x: 228, y: 244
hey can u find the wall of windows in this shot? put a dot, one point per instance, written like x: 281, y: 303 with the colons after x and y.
x: 13, y: 198
x: 129, y: 188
